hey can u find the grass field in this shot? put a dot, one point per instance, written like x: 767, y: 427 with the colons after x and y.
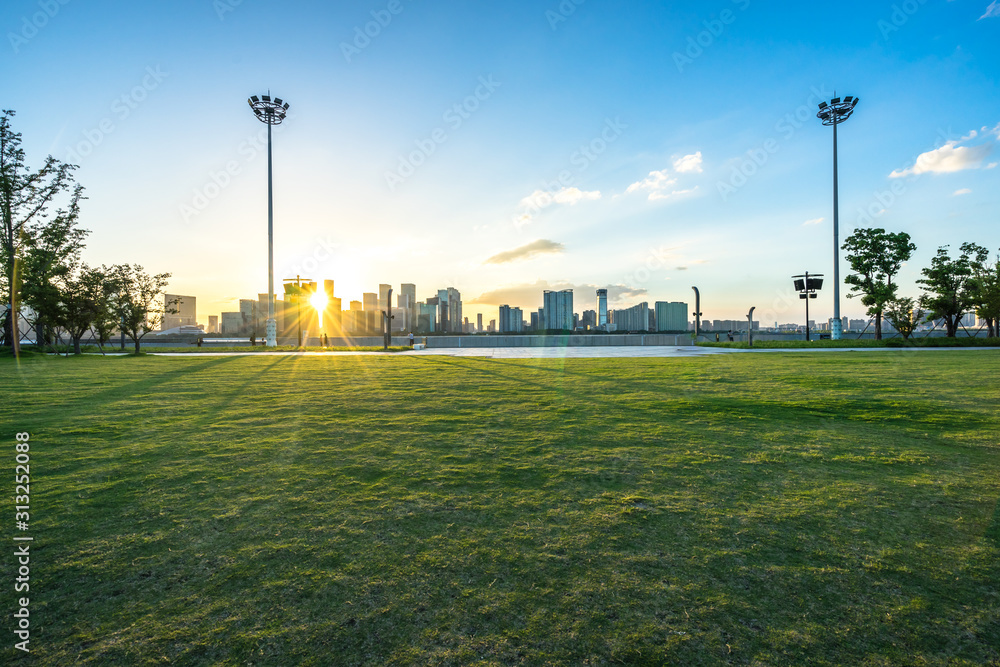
x: 751, y: 509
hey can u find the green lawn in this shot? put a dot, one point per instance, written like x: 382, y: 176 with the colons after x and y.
x: 753, y: 509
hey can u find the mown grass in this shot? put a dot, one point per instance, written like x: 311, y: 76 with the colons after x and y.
x: 896, y: 342
x: 786, y: 509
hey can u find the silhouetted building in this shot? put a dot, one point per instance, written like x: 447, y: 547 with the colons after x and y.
x: 671, y: 316
x: 558, y: 308
x: 186, y: 311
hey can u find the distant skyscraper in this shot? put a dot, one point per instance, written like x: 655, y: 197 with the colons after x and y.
x: 602, y: 307
x: 408, y: 293
x: 671, y: 316
x: 479, y: 322
x: 186, y: 311
x: 213, y: 324
x: 383, y: 296
x: 558, y: 310
x: 510, y: 320
x: 635, y: 318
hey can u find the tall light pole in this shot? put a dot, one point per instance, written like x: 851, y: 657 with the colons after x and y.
x: 697, y: 313
x: 271, y: 112
x: 834, y: 113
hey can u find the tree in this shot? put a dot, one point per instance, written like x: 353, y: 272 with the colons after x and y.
x: 51, y: 256
x: 875, y: 257
x: 25, y: 197
x: 986, y: 294
x: 138, y: 300
x: 105, y: 319
x: 904, y: 315
x: 949, y: 288
x: 82, y: 298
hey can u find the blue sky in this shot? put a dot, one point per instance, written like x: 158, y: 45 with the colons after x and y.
x: 502, y: 148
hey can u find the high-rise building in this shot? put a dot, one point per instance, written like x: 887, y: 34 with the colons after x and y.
x: 671, y: 315
x: 383, y: 296
x: 213, y: 324
x: 588, y: 319
x: 454, y: 306
x: 558, y: 308
x: 232, y: 323
x: 251, y: 319
x: 602, y: 307
x: 635, y: 318
x: 479, y: 322
x: 510, y: 320
x: 186, y: 311
x: 409, y: 291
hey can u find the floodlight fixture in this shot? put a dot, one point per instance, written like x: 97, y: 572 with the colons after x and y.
x: 807, y: 285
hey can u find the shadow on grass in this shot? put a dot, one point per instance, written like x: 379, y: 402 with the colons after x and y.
x: 993, y: 530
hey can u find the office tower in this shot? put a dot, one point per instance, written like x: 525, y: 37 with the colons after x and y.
x: 510, y: 320
x: 635, y: 318
x: 186, y: 311
x: 602, y: 307
x: 427, y: 316
x: 409, y: 290
x: 213, y: 324
x: 671, y: 316
x: 589, y: 319
x: 534, y: 321
x: 558, y: 308
x: 383, y: 296
x: 479, y: 322
x: 250, y: 312
x: 493, y: 326
x: 232, y: 323
x: 454, y: 307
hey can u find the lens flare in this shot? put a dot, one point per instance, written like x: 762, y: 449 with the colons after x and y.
x: 319, y: 301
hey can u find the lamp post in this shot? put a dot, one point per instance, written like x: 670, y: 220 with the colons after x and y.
x: 697, y: 313
x: 835, y: 112
x: 750, y: 325
x: 807, y: 286
x: 271, y: 112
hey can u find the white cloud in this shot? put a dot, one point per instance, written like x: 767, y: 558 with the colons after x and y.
x: 539, y: 199
x: 949, y: 158
x: 814, y: 221
x: 963, y: 191
x: 688, y: 163
x: 992, y: 11
x: 657, y: 180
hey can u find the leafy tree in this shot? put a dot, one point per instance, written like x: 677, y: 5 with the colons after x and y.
x: 25, y: 197
x: 949, y: 287
x: 51, y: 256
x: 904, y: 315
x: 876, y: 256
x: 138, y: 300
x: 82, y: 298
x: 105, y: 318
x: 986, y: 293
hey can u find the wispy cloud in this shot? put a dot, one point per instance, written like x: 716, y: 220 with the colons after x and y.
x: 963, y: 191
x: 992, y: 11
x: 814, y: 221
x: 533, y: 249
x: 951, y: 157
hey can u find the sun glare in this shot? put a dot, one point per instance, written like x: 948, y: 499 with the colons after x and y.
x: 319, y: 301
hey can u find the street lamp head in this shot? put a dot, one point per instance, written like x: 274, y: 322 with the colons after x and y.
x: 267, y: 110
x: 837, y: 111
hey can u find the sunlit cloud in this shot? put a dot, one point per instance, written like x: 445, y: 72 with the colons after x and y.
x: 541, y: 199
x: 963, y: 191
x: 814, y: 221
x: 949, y: 158
x: 533, y: 249
x: 992, y: 11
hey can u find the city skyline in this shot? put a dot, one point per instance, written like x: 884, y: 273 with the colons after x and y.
x: 510, y: 150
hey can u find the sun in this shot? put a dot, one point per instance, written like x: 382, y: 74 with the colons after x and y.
x: 319, y: 301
